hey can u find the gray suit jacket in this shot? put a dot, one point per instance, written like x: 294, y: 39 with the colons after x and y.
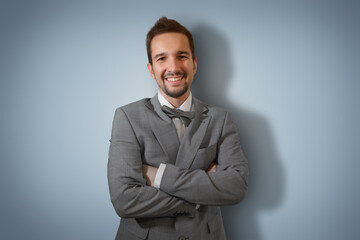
x: 143, y: 134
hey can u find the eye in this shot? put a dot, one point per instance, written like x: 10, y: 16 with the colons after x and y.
x: 183, y: 57
x: 160, y: 59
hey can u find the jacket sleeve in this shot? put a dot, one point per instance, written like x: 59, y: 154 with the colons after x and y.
x: 130, y: 195
x: 227, y: 186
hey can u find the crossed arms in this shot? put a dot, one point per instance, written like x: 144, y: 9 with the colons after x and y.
x: 180, y: 189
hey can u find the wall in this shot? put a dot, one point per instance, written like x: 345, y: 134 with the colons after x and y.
x: 287, y: 70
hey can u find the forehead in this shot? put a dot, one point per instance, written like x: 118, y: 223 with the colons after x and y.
x: 169, y: 43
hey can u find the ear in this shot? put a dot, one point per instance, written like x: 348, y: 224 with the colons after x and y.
x: 151, y: 71
x: 195, y: 65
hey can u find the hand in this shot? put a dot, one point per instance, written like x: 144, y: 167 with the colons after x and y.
x: 149, y: 173
x: 212, y: 167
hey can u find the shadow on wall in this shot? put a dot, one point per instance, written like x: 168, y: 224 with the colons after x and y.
x: 267, y: 177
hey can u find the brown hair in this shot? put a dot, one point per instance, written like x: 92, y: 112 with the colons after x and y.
x: 165, y: 25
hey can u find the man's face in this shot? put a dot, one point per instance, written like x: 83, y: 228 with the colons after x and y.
x: 173, y: 67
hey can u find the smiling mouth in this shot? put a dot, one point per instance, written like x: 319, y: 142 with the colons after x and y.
x: 173, y: 79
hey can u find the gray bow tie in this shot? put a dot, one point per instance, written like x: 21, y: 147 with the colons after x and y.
x: 185, y: 117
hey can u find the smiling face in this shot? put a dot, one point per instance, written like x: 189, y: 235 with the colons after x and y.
x: 172, y: 66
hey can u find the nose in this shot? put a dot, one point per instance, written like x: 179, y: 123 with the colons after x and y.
x: 173, y: 64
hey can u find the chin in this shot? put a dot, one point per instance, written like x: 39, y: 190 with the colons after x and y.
x: 176, y: 94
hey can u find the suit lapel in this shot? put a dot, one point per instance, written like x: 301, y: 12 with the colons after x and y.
x: 164, y: 129
x: 193, y: 136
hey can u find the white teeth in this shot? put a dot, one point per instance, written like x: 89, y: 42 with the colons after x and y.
x: 173, y: 79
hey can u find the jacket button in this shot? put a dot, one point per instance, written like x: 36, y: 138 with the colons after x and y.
x: 182, y: 238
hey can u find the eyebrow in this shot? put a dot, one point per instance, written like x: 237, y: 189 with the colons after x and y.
x: 159, y: 55
x: 164, y: 54
x: 184, y: 52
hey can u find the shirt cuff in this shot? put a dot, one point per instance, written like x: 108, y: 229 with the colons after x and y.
x: 159, y: 175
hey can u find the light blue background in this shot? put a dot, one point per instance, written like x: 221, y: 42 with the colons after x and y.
x: 287, y: 70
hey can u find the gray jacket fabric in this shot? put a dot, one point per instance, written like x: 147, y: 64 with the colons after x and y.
x: 143, y: 134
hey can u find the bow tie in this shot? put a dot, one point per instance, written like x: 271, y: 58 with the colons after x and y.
x: 185, y: 117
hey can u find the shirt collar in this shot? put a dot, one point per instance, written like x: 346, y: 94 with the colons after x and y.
x: 186, y: 106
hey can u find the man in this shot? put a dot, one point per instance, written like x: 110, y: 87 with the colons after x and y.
x: 173, y: 160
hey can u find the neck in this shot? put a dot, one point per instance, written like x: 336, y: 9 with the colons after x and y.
x: 176, y: 102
